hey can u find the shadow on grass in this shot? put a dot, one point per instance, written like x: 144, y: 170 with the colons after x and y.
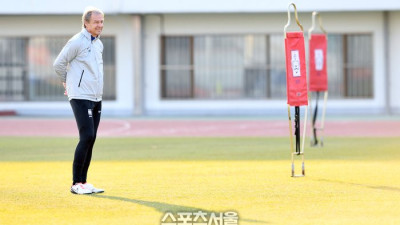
x: 385, y: 188
x: 166, y: 207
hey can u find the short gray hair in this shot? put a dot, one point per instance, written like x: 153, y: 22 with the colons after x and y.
x: 88, y: 13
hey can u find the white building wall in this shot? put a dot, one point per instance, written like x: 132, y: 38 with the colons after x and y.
x: 191, y: 6
x: 394, y: 60
x: 189, y: 24
x: 118, y: 26
x: 121, y: 26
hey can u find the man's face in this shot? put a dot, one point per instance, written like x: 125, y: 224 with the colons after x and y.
x: 95, y: 24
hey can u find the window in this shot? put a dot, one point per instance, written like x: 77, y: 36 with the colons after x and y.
x: 253, y: 66
x: 177, y: 73
x: 350, y: 66
x: 221, y: 67
x: 13, y: 71
x: 27, y: 74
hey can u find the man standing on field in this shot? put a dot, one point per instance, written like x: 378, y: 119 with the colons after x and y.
x: 80, y: 67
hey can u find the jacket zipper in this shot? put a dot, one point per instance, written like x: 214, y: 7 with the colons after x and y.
x: 81, y: 78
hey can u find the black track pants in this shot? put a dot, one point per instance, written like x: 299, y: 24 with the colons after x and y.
x: 87, y: 115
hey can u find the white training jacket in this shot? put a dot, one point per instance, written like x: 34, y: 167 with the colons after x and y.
x: 80, y: 66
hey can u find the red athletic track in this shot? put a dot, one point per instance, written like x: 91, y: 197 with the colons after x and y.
x: 192, y: 128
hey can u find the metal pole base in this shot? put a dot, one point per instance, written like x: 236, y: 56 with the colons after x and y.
x: 303, y: 172
x: 299, y: 151
x: 320, y: 128
x: 317, y: 143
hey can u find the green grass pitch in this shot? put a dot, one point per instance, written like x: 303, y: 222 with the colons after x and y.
x: 349, y: 181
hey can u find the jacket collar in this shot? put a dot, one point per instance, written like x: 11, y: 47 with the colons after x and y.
x: 88, y: 35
